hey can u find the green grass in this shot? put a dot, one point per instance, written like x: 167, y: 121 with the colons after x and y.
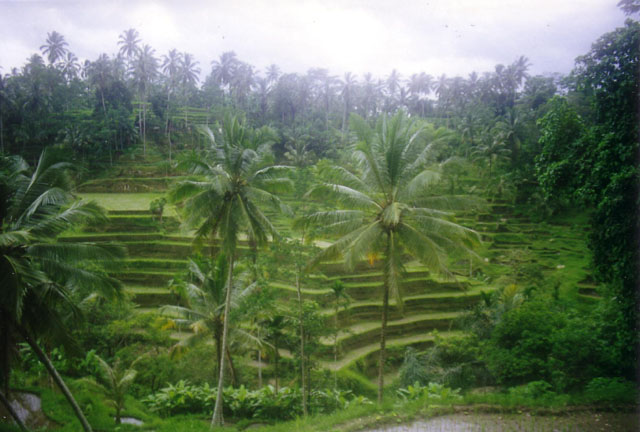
x: 392, y: 342
x: 127, y: 201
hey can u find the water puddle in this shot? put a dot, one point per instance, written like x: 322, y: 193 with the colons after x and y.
x: 131, y: 421
x: 578, y: 422
x: 28, y: 406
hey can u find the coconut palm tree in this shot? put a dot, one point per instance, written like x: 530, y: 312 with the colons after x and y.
x: 493, y: 150
x: 171, y: 65
x: 189, y: 72
x: 223, y: 70
x: 386, y: 209
x: 234, y: 181
x: 129, y: 42
x: 115, y: 382
x: 204, y: 294
x: 145, y: 69
x: 38, y: 275
x: 348, y: 84
x: 55, y: 47
x: 273, y: 73
x: 70, y: 66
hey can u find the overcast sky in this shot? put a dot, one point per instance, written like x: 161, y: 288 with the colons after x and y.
x: 454, y: 37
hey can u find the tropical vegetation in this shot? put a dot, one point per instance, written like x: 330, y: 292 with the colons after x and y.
x: 314, y: 252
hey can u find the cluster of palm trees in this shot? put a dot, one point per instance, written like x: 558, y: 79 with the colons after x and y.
x: 383, y: 207
x: 316, y: 100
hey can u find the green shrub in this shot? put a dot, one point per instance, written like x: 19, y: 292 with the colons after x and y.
x: 610, y: 390
x: 181, y: 398
x: 431, y: 392
x: 533, y: 390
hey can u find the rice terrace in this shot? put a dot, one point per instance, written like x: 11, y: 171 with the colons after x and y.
x: 195, y: 244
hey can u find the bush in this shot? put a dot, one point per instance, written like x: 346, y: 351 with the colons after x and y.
x: 432, y: 391
x: 264, y: 403
x: 182, y: 398
x: 610, y: 390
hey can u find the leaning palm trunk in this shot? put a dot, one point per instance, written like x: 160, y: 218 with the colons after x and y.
x: 217, y: 419
x: 12, y: 412
x: 383, y: 338
x: 57, y: 378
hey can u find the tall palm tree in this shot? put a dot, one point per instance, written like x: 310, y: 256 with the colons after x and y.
x: 273, y: 73
x: 348, y: 84
x: 145, y: 69
x: 99, y: 74
x: 38, y: 274
x: 189, y: 73
x: 393, y: 86
x: 386, y: 209
x: 70, y: 66
x: 234, y: 181
x: 129, y: 42
x: 171, y: 65
x: 223, y: 70
x: 493, y: 150
x: 55, y: 47
x: 370, y: 92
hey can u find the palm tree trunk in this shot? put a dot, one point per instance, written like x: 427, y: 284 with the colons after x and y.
x: 217, y: 419
x: 57, y: 378
x: 276, y: 359
x: 218, y: 349
x: 335, y: 348
x: 302, y: 359
x: 259, y: 369
x: 232, y: 369
x: 12, y: 412
x: 383, y: 341
x: 166, y: 126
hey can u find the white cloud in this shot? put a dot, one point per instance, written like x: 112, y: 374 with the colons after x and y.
x: 452, y: 37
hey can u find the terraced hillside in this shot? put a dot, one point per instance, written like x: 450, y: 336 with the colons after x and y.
x: 512, y: 243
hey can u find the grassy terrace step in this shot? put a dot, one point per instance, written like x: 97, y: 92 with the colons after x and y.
x: 367, y: 291
x: 151, y: 297
x: 372, y: 276
x: 368, y: 353
x: 113, y: 237
x: 155, y: 264
x: 133, y: 223
x: 169, y: 250
x: 365, y: 333
x: 146, y: 278
x: 409, y: 286
x: 126, y: 201
x: 421, y: 304
x: 128, y: 185
x: 128, y: 212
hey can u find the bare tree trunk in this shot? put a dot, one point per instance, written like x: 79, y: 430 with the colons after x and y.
x: 13, y: 412
x: 302, y: 358
x: 217, y: 419
x: 57, y: 378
